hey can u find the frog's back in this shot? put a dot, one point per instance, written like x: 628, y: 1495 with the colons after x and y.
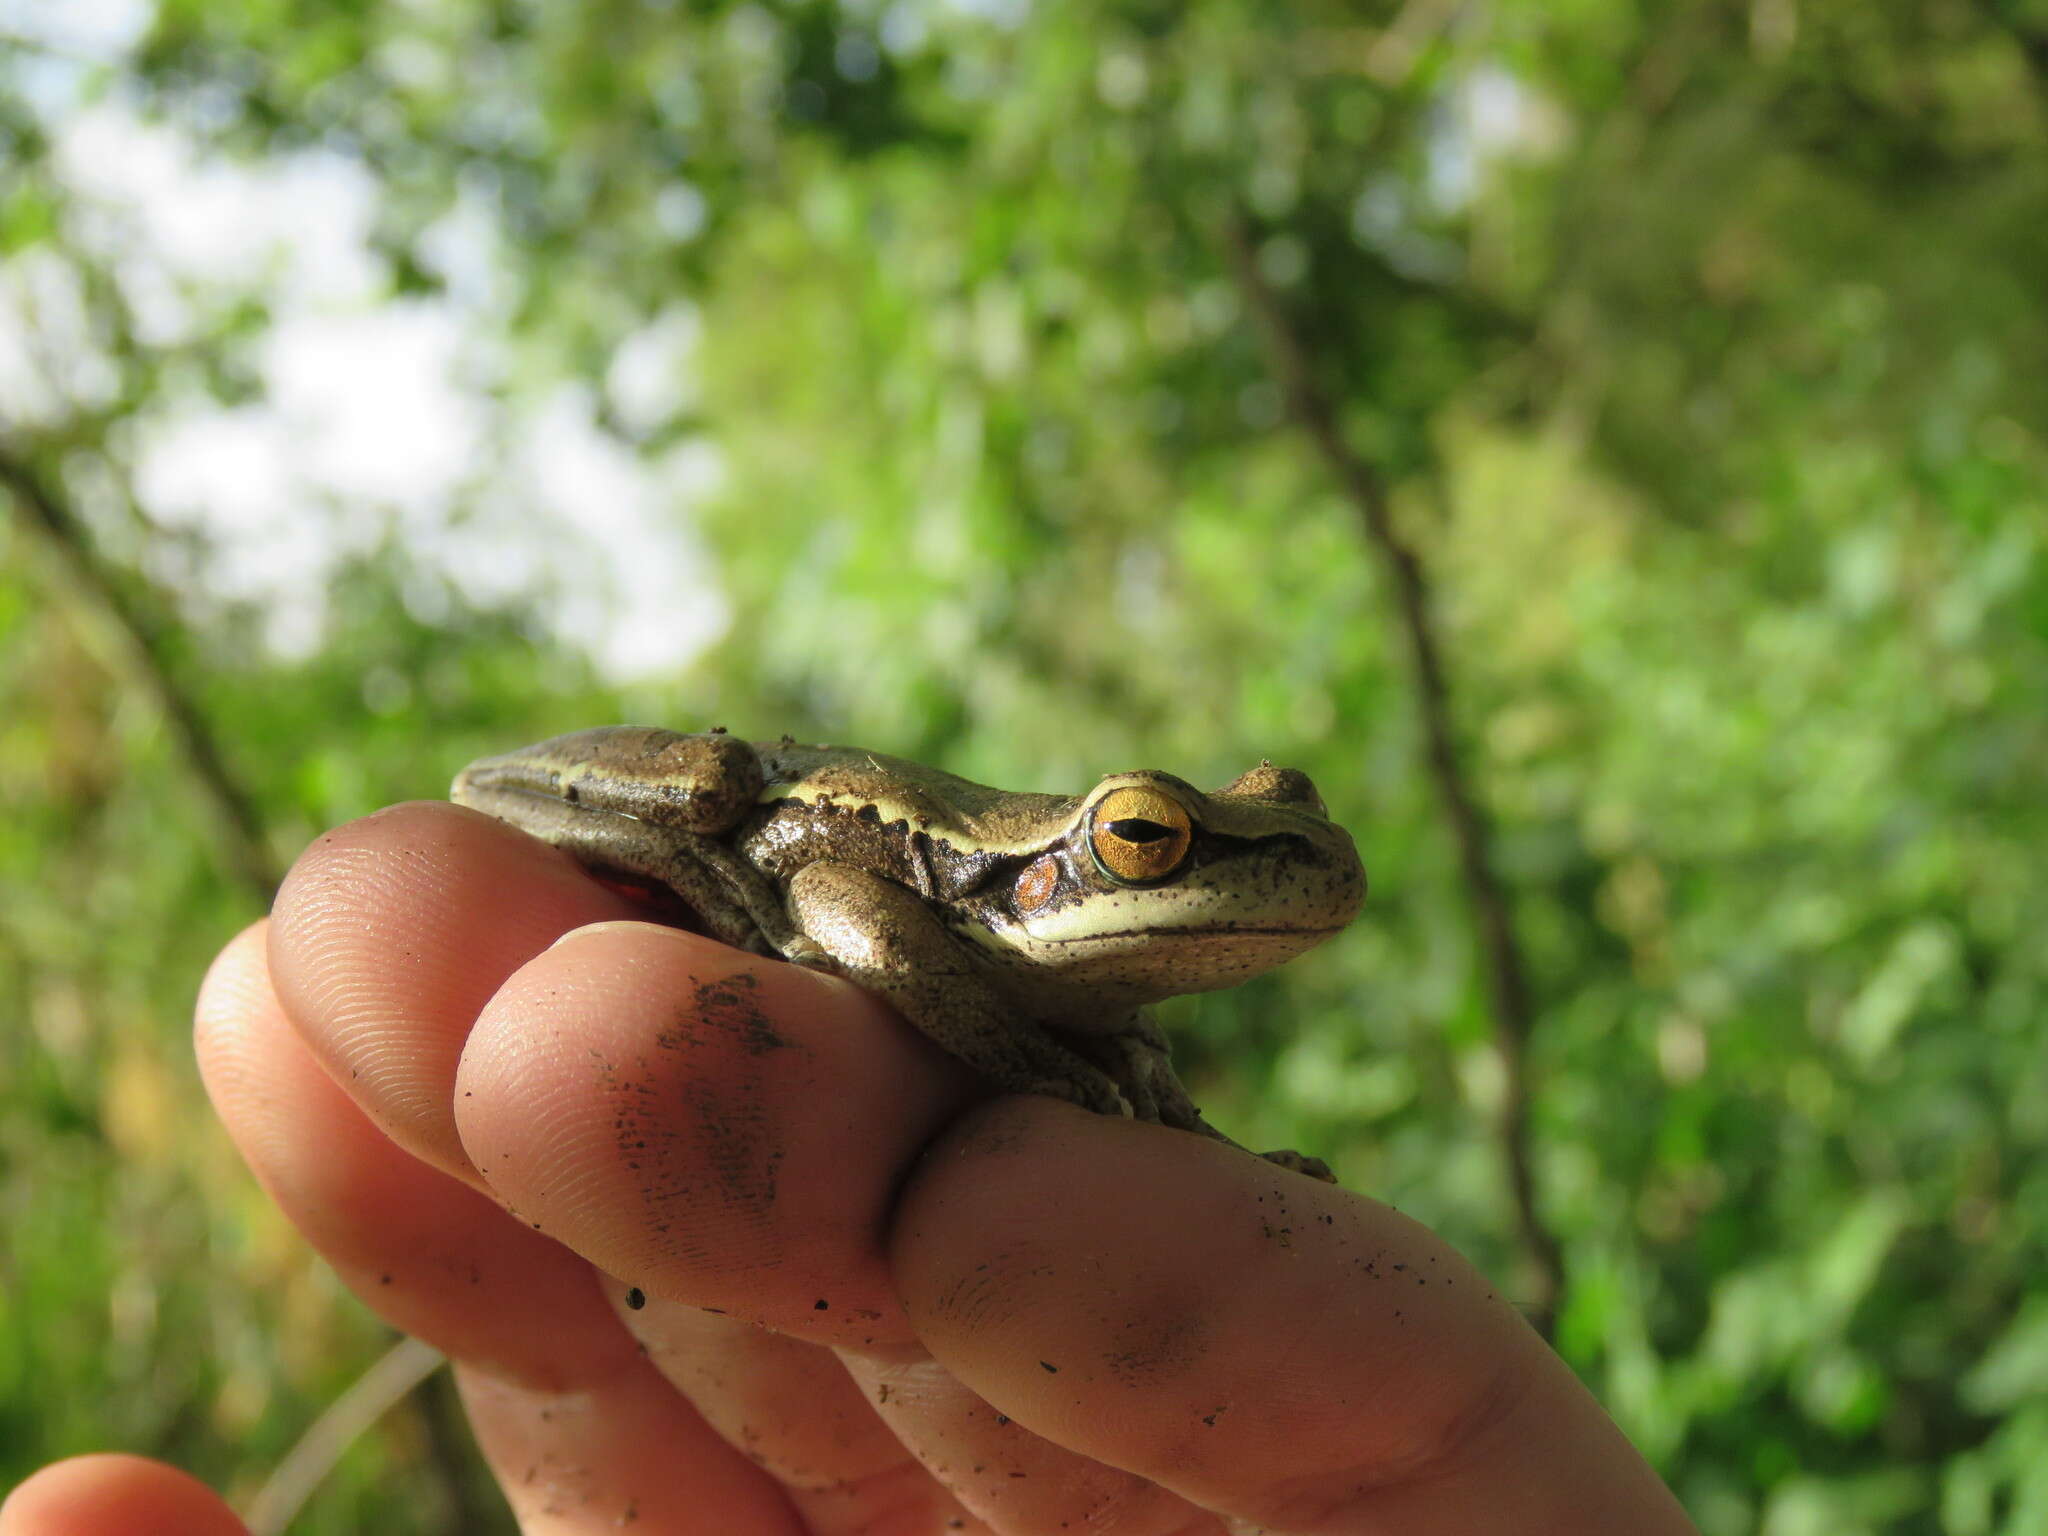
x: 917, y: 825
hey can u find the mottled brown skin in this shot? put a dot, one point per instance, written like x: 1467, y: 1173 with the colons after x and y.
x: 1022, y: 932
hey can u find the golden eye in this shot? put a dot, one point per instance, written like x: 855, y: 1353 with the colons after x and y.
x: 1138, y: 834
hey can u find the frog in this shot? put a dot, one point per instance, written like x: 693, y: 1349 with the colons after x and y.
x: 1024, y: 933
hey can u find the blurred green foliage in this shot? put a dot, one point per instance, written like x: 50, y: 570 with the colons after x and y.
x: 1700, y: 346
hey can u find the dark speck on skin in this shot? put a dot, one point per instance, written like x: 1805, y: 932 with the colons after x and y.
x: 740, y: 1136
x: 730, y: 1003
x: 1157, y: 1348
x: 1048, y: 1367
x: 636, y: 1298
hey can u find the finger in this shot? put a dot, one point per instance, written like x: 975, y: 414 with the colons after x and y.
x: 1006, y: 1475
x: 430, y: 1255
x: 390, y: 933
x: 631, y: 1455
x: 792, y: 1408
x: 110, y: 1495
x: 1275, y: 1349
x: 561, y: 1386
x: 712, y: 1128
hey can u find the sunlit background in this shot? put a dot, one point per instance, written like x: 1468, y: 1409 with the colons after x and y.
x: 389, y: 382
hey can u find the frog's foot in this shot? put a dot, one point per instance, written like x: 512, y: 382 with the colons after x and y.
x: 803, y: 950
x: 1134, y: 1059
x: 1299, y: 1162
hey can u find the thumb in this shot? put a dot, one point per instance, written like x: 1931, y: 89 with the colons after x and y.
x: 112, y: 1496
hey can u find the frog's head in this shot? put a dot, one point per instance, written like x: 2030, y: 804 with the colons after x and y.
x: 1148, y: 888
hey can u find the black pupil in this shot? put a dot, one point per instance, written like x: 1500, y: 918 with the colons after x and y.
x: 1135, y: 829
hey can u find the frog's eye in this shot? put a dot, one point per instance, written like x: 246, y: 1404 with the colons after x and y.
x: 1138, y: 834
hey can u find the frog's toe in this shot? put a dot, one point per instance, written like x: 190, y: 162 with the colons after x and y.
x: 1111, y: 1101
x: 1314, y: 1167
x: 809, y: 954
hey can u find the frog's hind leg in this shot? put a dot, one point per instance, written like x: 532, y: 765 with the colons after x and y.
x: 735, y: 902
x: 884, y: 937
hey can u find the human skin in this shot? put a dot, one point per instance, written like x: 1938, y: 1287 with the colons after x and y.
x: 721, y: 1245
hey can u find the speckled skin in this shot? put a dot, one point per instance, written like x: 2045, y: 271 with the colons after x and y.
x: 991, y: 920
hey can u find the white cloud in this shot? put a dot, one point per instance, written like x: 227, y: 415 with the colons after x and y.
x: 651, y: 373
x: 374, y: 404
x: 195, y: 230
x: 371, y: 413
x: 97, y: 28
x: 658, y: 602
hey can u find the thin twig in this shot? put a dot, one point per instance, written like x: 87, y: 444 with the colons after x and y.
x: 244, y: 848
x: 404, y: 1366
x: 1507, y: 973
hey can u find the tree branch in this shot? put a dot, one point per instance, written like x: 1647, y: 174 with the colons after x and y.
x: 244, y: 851
x: 1507, y: 974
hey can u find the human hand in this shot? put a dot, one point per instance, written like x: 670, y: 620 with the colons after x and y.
x: 721, y: 1245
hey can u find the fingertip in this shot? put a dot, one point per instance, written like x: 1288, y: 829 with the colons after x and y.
x: 111, y: 1494
x: 389, y: 935
x: 235, y: 985
x: 719, y: 1129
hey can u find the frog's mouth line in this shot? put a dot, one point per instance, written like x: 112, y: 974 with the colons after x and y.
x: 1195, y: 931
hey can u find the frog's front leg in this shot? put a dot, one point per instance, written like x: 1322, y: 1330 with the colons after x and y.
x: 885, y: 938
x: 1139, y: 1058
